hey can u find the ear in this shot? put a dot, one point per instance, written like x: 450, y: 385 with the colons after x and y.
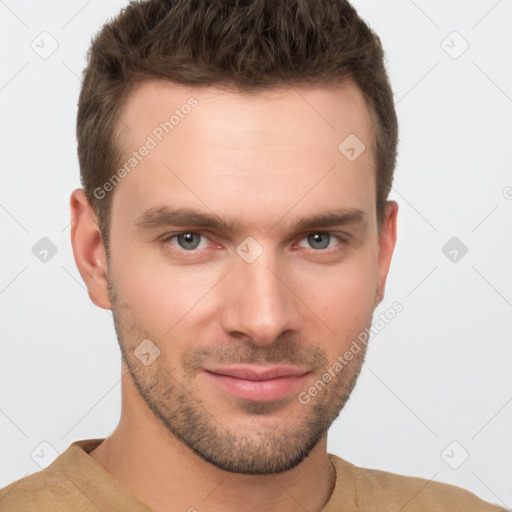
x: 88, y: 249
x: 387, y: 241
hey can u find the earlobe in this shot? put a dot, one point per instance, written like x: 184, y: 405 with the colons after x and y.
x: 387, y: 241
x: 88, y: 249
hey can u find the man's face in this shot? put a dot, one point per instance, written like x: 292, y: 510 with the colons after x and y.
x: 257, y: 291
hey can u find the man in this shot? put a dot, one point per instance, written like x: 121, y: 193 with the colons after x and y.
x: 236, y: 159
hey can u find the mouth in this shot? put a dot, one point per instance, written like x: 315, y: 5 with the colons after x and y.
x: 258, y: 383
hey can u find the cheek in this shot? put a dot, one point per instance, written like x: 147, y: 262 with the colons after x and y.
x: 343, y: 298
x: 159, y: 294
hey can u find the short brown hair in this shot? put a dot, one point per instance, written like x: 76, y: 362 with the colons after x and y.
x: 248, y: 45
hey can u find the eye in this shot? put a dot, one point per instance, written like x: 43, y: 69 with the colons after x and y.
x: 188, y: 240
x: 321, y: 240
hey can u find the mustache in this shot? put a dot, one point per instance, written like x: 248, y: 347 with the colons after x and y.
x: 285, y: 350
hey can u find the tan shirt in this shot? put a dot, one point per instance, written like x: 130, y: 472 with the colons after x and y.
x: 75, y: 482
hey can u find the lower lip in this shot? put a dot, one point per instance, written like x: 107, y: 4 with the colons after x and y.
x: 259, y: 390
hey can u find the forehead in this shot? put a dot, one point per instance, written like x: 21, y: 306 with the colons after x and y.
x: 283, y: 112
x: 213, y: 144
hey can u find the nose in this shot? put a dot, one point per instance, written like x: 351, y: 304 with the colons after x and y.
x: 260, y: 303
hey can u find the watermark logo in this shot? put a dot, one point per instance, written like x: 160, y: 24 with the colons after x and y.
x: 45, y: 45
x: 146, y: 352
x: 351, y: 147
x: 454, y: 249
x: 455, y: 455
x: 454, y: 45
x: 249, y: 250
x: 44, y: 454
x: 44, y: 250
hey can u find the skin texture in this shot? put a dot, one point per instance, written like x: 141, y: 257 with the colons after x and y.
x: 261, y: 162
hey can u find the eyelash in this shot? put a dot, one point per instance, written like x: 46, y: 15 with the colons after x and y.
x: 166, y: 239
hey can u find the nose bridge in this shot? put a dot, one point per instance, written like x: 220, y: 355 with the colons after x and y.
x: 258, y: 303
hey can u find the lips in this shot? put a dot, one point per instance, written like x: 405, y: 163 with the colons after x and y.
x: 256, y: 382
x: 252, y: 372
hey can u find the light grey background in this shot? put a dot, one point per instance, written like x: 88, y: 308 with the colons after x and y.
x: 438, y: 373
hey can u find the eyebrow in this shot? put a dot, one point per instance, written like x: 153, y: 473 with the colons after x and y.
x: 185, y: 217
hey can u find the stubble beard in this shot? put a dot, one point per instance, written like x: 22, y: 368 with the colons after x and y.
x: 257, y: 450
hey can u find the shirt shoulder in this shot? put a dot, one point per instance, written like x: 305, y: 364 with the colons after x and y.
x: 74, y: 481
x: 44, y: 491
x: 383, y: 491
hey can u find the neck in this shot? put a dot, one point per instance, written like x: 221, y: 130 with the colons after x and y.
x: 152, y: 464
